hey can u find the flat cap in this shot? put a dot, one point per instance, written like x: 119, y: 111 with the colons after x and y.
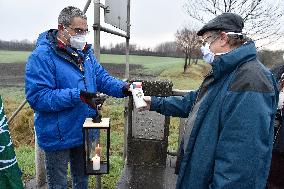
x: 227, y: 22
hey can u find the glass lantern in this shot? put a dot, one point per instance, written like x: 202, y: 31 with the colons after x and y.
x: 96, y: 144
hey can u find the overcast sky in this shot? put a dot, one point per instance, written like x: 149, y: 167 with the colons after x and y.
x: 152, y: 21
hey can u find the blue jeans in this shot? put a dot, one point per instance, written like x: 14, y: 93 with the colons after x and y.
x: 56, y: 168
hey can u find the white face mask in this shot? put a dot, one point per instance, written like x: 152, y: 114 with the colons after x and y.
x: 77, y: 41
x: 208, y: 56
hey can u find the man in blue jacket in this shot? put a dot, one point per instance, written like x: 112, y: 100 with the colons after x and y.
x: 227, y: 142
x: 62, y: 78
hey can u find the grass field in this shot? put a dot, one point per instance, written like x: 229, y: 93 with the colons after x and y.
x: 13, y: 56
x: 153, y: 65
x: 22, y: 127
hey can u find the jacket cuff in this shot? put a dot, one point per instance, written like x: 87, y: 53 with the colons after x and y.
x: 75, y: 96
x: 154, y: 103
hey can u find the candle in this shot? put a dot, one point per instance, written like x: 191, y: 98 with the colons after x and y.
x: 96, y: 162
x: 98, y: 150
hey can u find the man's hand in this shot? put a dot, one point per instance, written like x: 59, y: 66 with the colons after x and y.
x: 147, y: 99
x: 126, y: 89
x: 89, y: 98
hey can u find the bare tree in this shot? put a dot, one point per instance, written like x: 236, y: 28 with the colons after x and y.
x: 188, y: 42
x: 168, y: 49
x: 262, y: 17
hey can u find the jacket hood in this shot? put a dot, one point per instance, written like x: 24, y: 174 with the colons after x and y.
x: 43, y: 37
x: 49, y: 38
x: 228, y: 62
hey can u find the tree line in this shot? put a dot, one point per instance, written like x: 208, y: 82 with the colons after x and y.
x: 165, y: 49
x: 23, y: 45
x: 168, y: 49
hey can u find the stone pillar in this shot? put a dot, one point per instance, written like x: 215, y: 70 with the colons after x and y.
x: 147, y: 138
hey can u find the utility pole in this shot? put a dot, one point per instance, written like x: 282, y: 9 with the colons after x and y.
x: 97, y: 51
x: 127, y: 78
x: 97, y: 29
x: 127, y: 41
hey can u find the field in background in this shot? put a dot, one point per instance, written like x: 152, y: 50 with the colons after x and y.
x: 13, y: 56
x: 152, y: 65
x: 162, y: 67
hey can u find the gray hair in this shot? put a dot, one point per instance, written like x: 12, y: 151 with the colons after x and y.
x: 68, y: 13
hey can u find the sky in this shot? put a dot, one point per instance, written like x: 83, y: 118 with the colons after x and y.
x: 152, y: 21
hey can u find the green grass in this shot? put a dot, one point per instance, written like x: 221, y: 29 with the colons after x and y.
x: 152, y: 64
x: 134, y: 59
x: 15, y: 93
x: 26, y: 159
x: 13, y: 56
x: 186, y: 81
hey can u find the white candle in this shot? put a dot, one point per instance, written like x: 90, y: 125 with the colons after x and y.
x: 96, y: 162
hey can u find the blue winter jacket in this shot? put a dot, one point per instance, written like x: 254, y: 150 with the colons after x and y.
x: 229, y: 134
x: 53, y: 84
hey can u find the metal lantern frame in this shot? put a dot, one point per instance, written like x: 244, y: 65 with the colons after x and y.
x: 88, y: 163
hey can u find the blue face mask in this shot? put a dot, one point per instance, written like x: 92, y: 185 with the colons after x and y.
x: 208, y: 56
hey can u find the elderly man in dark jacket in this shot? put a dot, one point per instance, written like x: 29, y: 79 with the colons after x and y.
x: 227, y: 142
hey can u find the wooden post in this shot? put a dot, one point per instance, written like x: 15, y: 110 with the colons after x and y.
x: 40, y: 166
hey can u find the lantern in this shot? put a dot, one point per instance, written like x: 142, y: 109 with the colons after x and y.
x: 96, y: 144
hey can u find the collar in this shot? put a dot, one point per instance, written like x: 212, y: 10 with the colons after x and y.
x: 228, y: 62
x: 66, y: 51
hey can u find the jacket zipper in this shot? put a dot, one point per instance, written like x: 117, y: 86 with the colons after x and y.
x: 83, y: 75
x: 81, y: 68
x: 84, y: 80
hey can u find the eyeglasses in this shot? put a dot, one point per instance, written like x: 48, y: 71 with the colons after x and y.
x: 80, y: 31
x: 205, y: 40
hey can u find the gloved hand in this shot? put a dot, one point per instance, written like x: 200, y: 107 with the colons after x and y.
x: 89, y: 98
x: 126, y: 89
